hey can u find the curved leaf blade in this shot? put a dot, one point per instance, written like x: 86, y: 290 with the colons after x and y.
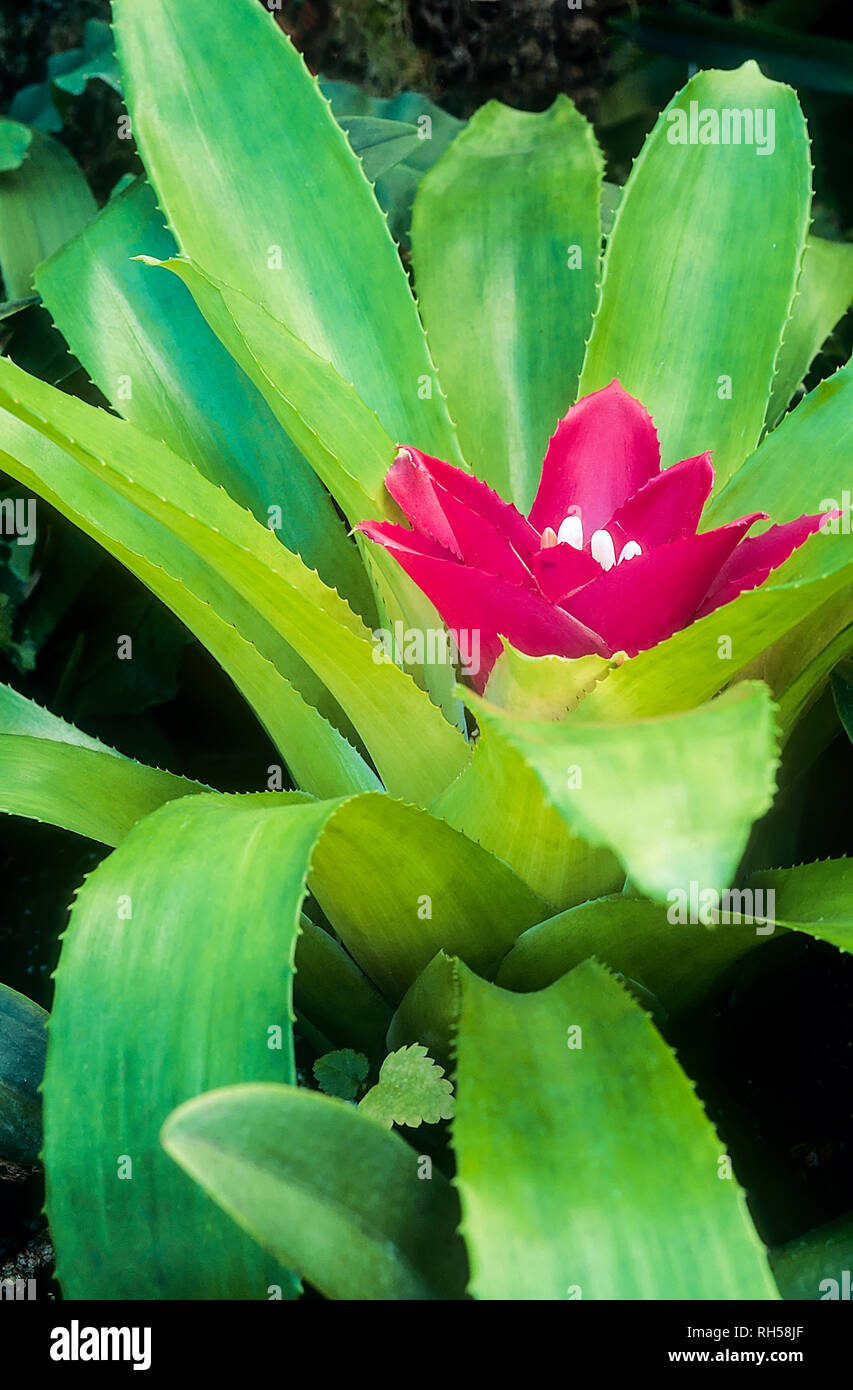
x: 367, y: 1228
x: 673, y: 798
x: 824, y: 295
x: 147, y: 347
x: 506, y: 237
x: 694, y: 333
x: 188, y: 897
x: 23, y: 1041
x: 311, y: 251
x: 579, y: 1176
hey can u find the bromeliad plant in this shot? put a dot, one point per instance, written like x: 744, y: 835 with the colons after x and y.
x: 468, y: 879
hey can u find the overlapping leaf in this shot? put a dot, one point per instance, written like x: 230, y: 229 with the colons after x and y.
x: 311, y: 250
x: 375, y: 1226
x: 505, y: 243
x: 673, y: 798
x: 144, y: 343
x: 579, y: 1176
x: 701, y: 268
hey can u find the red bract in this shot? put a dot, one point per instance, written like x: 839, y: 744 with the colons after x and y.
x: 609, y: 559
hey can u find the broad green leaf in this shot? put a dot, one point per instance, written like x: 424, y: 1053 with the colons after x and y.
x: 341, y: 1074
x: 579, y: 1175
x: 436, y: 889
x: 147, y: 347
x: 412, y: 1090
x: 20, y: 715
x: 813, y: 1266
x: 824, y: 294
x: 15, y: 141
x: 212, y: 884
x: 803, y: 691
x: 23, y: 1040
x: 676, y: 962
x: 506, y: 237
x: 326, y: 1189
x: 335, y: 995
x: 701, y: 269
x: 428, y: 1013
x: 673, y: 798
x: 842, y: 689
x: 94, y: 793
x: 311, y: 250
x: 42, y: 203
x: 813, y: 898
x: 341, y: 438
x: 380, y: 144
x: 533, y: 838
x: 205, y: 895
x: 52, y: 771
x: 203, y: 553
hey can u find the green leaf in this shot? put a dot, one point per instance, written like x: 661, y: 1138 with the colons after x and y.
x: 52, y: 771
x: 341, y: 438
x: 676, y: 962
x: 505, y: 241
x: 674, y: 798
x: 205, y: 895
x: 579, y: 1175
x: 147, y: 347
x: 813, y: 898
x: 220, y: 570
x: 213, y: 884
x: 20, y: 715
x: 335, y: 995
x: 676, y: 327
x: 805, y: 1267
x: 543, y: 687
x: 535, y: 840
x: 342, y: 1073
x: 42, y: 203
x: 15, y: 140
x: 364, y: 1228
x: 99, y: 794
x: 842, y: 692
x: 396, y: 190
x: 380, y: 144
x: 429, y: 1010
x: 312, y: 251
x: 801, y: 694
x: 23, y: 1040
x: 436, y: 890
x: 824, y: 294
x: 796, y: 472
x: 412, y: 1090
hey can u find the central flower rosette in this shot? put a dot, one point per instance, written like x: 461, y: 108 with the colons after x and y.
x: 610, y: 557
